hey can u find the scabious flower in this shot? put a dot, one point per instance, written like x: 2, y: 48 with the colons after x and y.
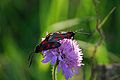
x: 68, y: 55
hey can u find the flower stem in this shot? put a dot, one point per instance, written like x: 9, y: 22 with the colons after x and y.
x: 54, y: 71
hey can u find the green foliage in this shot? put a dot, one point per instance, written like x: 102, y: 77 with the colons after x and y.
x: 23, y: 23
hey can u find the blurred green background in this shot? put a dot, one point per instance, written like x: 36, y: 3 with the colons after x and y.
x: 24, y: 22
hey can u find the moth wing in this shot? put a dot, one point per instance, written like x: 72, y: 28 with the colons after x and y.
x: 56, y: 37
x: 53, y: 37
x: 50, y: 45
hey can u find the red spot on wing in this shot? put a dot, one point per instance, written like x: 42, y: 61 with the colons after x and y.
x: 53, y: 46
x: 62, y: 36
x: 43, y: 42
x: 48, y: 45
x: 56, y: 38
x: 68, y: 35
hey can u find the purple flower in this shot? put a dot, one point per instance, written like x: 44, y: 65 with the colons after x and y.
x: 68, y: 55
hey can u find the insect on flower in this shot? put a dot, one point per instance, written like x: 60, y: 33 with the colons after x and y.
x: 51, y: 42
x: 68, y: 57
x: 54, y: 37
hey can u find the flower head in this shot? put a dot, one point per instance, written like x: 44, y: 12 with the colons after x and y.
x: 68, y: 55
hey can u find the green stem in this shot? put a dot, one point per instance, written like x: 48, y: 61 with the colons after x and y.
x: 106, y: 18
x: 54, y: 71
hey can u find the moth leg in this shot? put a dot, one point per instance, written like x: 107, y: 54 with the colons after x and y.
x: 30, y: 59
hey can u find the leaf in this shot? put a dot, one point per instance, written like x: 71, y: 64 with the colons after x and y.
x: 75, y: 23
x: 63, y: 24
x: 106, y: 18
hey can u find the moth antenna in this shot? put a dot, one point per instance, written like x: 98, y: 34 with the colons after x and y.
x: 31, y: 58
x: 79, y: 30
x: 85, y: 33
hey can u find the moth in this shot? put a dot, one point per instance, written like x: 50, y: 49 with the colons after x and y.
x: 51, y: 42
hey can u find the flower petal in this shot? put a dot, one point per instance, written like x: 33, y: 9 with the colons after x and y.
x: 53, y: 60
